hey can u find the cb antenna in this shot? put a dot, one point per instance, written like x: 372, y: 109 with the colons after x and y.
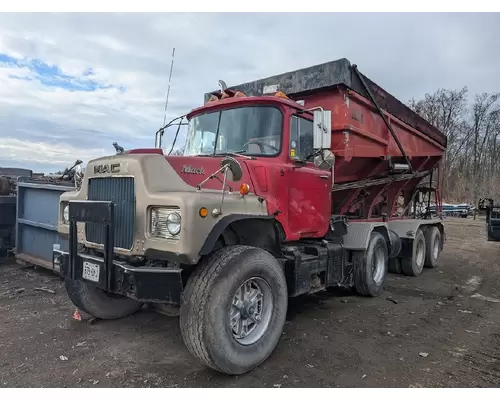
x: 168, y: 93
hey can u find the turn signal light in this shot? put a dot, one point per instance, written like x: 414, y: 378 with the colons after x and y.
x: 244, y: 189
x: 203, y: 212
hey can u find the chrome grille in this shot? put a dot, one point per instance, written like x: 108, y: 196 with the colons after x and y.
x: 120, y: 190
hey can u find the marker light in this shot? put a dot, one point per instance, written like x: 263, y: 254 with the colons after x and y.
x: 203, y: 212
x: 282, y: 95
x: 244, y: 189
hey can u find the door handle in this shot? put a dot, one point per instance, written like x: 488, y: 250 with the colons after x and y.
x: 324, y: 176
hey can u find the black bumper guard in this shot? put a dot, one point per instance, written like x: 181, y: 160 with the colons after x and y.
x: 145, y: 284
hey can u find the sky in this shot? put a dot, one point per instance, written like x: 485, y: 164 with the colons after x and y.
x: 72, y: 84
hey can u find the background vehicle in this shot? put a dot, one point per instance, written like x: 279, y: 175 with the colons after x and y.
x: 288, y: 185
x: 454, y: 210
x: 492, y: 218
x: 8, y: 199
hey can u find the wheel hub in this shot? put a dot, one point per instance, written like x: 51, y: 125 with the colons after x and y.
x: 435, y: 249
x: 251, y: 311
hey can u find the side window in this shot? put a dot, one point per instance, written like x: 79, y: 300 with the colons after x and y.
x: 301, y: 138
x: 201, y: 134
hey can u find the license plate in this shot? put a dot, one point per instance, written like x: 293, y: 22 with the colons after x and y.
x: 91, y: 271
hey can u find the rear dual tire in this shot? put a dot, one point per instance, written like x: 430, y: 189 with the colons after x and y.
x: 433, y: 244
x: 395, y: 265
x: 414, y: 265
x: 371, y: 266
x: 426, y: 249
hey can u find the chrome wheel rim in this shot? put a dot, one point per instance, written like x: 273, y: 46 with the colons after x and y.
x: 420, y: 254
x: 251, y: 311
x: 435, y: 248
x: 378, y: 265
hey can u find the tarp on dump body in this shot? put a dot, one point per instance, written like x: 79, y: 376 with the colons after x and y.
x: 339, y: 72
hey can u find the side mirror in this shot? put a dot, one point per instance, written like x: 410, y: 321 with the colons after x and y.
x: 322, y: 133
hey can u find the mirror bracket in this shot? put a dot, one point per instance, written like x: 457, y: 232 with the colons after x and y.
x: 299, y: 163
x: 231, y: 170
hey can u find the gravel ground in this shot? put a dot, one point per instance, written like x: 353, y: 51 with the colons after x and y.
x: 439, y: 330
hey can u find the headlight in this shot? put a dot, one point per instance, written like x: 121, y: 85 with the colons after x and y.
x: 165, y: 223
x: 174, y: 223
x: 66, y: 214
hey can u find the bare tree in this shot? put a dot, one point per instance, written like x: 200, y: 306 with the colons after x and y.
x: 472, y: 158
x: 445, y: 109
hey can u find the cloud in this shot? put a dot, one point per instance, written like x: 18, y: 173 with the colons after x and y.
x: 18, y: 153
x: 71, y: 84
x: 50, y: 76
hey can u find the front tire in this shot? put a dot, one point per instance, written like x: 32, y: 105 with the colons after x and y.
x: 371, y: 266
x: 234, y: 309
x: 97, y: 302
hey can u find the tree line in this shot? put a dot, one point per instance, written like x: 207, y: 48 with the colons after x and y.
x: 471, y: 167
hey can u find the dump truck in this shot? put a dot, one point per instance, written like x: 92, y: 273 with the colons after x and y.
x: 288, y: 186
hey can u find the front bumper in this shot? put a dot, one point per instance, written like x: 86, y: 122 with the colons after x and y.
x: 145, y: 284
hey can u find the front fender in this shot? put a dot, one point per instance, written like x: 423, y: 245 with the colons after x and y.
x: 249, y: 229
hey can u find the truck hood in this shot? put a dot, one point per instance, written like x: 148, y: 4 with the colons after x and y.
x: 166, y: 173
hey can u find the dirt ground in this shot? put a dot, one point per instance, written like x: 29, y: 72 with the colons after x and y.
x: 441, y: 330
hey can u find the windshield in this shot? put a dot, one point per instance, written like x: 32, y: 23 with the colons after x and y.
x: 245, y: 130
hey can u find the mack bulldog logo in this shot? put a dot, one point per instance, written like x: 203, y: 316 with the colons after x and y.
x: 106, y: 168
x: 188, y: 169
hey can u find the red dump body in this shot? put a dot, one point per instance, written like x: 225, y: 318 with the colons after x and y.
x: 360, y: 136
x: 361, y: 141
x: 363, y: 144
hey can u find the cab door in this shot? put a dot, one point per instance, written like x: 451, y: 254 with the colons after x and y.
x: 309, y: 188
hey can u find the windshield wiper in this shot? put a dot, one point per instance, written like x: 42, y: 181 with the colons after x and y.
x: 227, y: 153
x: 235, y: 153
